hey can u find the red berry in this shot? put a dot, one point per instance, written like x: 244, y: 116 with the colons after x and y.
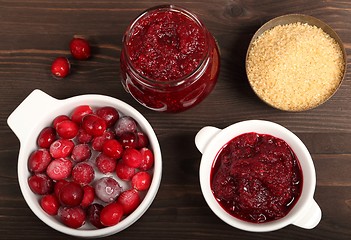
x: 71, y: 194
x: 111, y: 214
x: 50, y: 204
x: 83, y: 136
x: 88, y: 197
x: 79, y: 112
x: 148, y: 159
x: 81, y: 152
x: 143, y: 140
x: 59, y: 168
x: 124, y: 172
x: 109, y: 114
x: 73, y: 217
x: 94, y: 125
x: 83, y: 173
x: 99, y: 141
x: 107, y: 189
x: 60, y: 67
x: 129, y: 140
x: 67, y: 129
x: 40, y: 184
x: 61, y: 148
x: 58, y: 186
x: 39, y: 160
x: 80, y: 48
x: 46, y: 137
x: 125, y: 124
x: 93, y: 215
x: 141, y: 181
x: 59, y: 119
x: 105, y: 164
x: 129, y: 200
x: 112, y: 148
x: 132, y: 157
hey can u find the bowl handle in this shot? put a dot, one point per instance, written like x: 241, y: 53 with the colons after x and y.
x: 27, y: 113
x: 204, y: 136
x: 311, y: 217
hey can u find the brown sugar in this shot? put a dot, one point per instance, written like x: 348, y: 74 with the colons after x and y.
x: 295, y: 67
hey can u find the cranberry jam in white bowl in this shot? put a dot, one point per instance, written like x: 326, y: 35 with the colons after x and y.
x: 36, y: 112
x: 257, y: 168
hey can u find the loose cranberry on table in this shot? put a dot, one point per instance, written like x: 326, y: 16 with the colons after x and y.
x: 60, y: 67
x: 80, y: 48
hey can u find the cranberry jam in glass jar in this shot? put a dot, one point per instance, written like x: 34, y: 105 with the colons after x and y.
x: 169, y: 61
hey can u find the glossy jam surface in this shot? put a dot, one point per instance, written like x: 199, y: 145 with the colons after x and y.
x: 166, y: 45
x: 169, y: 61
x: 256, y: 178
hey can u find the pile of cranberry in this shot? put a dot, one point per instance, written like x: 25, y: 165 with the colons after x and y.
x: 94, y: 165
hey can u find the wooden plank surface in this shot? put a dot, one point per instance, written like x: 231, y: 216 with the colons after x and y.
x: 34, y: 32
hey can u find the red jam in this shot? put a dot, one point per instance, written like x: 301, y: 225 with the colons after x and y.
x: 256, y: 178
x: 169, y: 61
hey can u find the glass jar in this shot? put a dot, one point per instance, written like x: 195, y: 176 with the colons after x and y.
x: 169, y: 60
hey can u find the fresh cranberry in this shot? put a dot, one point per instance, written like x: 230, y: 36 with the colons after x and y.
x: 40, y: 184
x: 81, y: 152
x: 125, y: 124
x: 143, y: 140
x: 147, y: 161
x: 60, y: 67
x: 79, y: 112
x: 59, y: 119
x: 124, y: 172
x: 107, y: 189
x: 109, y: 114
x: 59, y: 168
x: 105, y: 164
x: 93, y: 215
x: 39, y: 160
x: 67, y: 129
x: 58, y: 186
x: 83, y: 173
x: 83, y: 136
x: 129, y: 200
x: 71, y: 194
x: 46, y: 137
x: 73, y: 217
x: 111, y: 214
x: 129, y: 140
x: 141, y: 181
x: 88, y: 197
x: 80, y: 48
x: 61, y: 148
x: 94, y: 125
x: 50, y: 204
x: 112, y: 148
x: 99, y: 141
x: 132, y: 157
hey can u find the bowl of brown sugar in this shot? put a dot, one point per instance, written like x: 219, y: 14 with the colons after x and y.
x: 295, y: 62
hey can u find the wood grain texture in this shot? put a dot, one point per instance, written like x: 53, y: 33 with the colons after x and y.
x: 34, y: 32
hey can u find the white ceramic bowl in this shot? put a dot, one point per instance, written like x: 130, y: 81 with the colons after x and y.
x: 305, y: 213
x: 36, y: 112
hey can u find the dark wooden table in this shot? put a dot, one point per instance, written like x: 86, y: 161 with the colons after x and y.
x: 33, y: 33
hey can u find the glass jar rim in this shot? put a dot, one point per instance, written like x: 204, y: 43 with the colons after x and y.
x: 182, y: 79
